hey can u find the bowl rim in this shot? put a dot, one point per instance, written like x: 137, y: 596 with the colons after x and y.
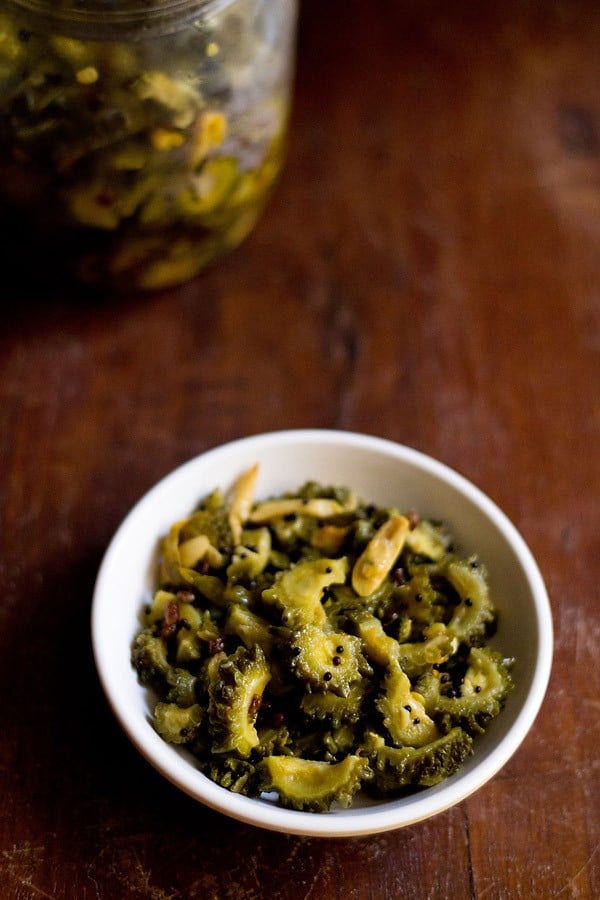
x: 378, y: 818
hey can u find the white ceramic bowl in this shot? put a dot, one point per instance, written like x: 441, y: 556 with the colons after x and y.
x: 379, y: 471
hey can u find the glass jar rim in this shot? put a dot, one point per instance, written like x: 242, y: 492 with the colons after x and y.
x: 102, y: 18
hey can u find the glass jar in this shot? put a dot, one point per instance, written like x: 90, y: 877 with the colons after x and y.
x: 139, y: 140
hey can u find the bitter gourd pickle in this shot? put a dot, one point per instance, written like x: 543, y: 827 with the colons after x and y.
x: 300, y: 685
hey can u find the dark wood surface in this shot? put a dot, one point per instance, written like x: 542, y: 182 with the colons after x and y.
x: 428, y: 270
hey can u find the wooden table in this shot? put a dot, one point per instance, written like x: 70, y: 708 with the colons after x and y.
x: 428, y: 270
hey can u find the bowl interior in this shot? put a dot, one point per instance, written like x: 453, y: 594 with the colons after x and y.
x: 379, y: 471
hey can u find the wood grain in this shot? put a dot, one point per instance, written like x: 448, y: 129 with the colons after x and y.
x: 428, y: 270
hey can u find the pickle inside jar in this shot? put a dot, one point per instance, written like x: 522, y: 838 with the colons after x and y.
x: 142, y: 161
